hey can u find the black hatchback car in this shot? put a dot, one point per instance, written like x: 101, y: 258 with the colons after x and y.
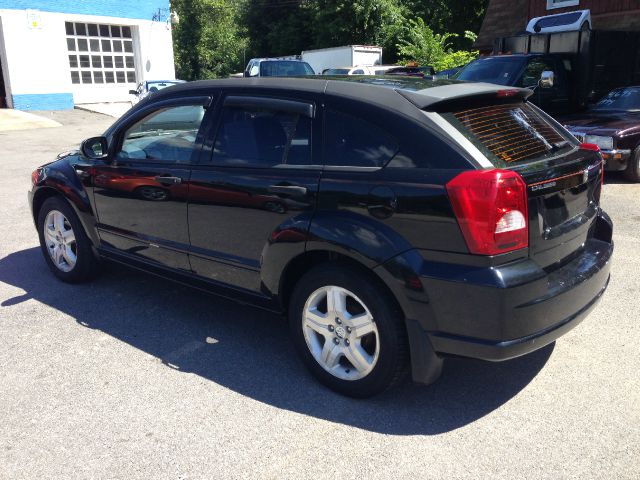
x: 395, y: 220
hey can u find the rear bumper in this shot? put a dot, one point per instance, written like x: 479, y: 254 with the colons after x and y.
x: 497, y: 313
x: 506, y: 349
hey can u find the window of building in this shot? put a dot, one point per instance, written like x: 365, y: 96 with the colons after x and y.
x: 353, y: 142
x: 91, y: 60
x: 262, y: 137
x: 551, y: 4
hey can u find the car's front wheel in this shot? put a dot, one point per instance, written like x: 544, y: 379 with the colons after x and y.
x: 348, y: 331
x: 64, y: 243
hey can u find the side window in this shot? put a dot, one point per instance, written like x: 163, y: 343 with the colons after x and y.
x: 260, y: 137
x: 353, y: 142
x: 254, y: 69
x: 358, y: 72
x: 166, y: 135
x: 533, y: 71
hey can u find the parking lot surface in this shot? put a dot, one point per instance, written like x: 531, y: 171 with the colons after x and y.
x: 134, y: 377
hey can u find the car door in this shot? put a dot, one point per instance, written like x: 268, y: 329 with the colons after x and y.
x: 260, y: 179
x: 141, y: 193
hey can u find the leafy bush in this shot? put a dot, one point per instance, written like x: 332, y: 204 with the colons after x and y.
x: 420, y: 44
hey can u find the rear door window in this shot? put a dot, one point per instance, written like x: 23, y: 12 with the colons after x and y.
x: 351, y: 141
x: 262, y: 137
x: 511, y: 133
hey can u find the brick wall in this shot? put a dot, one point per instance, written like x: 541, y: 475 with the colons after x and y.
x: 538, y: 8
x: 503, y: 17
x: 507, y: 17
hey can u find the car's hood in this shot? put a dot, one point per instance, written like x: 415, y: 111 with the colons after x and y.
x: 603, y: 123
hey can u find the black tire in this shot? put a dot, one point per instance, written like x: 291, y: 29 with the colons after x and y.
x: 632, y: 171
x: 87, y: 264
x: 393, y: 359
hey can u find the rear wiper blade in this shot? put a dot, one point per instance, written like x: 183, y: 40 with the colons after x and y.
x: 558, y: 145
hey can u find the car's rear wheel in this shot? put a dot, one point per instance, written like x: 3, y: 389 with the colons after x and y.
x: 64, y: 243
x: 633, y: 166
x: 153, y: 194
x: 348, y: 331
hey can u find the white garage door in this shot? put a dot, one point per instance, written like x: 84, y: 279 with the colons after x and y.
x: 100, y: 55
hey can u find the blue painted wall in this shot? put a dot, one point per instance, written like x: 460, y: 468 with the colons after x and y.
x: 140, y: 9
x: 43, y: 101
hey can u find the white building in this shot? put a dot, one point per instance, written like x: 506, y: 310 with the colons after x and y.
x: 58, y: 53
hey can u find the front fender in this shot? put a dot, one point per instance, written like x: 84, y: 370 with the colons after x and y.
x: 60, y: 178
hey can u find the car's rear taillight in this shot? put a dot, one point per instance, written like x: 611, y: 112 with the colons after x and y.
x: 491, y: 208
x: 595, y: 148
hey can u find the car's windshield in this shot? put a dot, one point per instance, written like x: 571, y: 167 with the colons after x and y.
x: 620, y: 99
x: 499, y: 70
x: 336, y: 71
x: 159, y: 85
x: 285, y: 68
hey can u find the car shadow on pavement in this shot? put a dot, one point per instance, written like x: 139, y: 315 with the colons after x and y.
x: 248, y: 351
x: 615, y: 178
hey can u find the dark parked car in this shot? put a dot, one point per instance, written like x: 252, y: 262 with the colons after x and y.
x: 449, y: 73
x: 420, y: 219
x: 614, y: 125
x: 273, y: 67
x: 410, y: 71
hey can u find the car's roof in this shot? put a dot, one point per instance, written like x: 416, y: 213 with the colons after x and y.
x: 509, y: 55
x: 423, y: 93
x: 276, y: 60
x: 165, y: 81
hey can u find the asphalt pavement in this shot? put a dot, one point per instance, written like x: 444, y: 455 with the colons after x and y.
x: 134, y: 377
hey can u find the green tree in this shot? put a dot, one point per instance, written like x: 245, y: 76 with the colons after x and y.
x: 278, y: 27
x: 217, y: 37
x: 419, y: 43
x: 208, y: 42
x: 450, y: 16
x: 348, y: 22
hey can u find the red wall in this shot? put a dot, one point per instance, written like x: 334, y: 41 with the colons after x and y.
x: 538, y: 8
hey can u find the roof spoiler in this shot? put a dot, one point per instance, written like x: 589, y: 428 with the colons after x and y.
x: 448, y: 97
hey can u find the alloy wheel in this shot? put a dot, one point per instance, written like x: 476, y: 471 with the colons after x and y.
x: 340, y: 333
x: 60, y: 241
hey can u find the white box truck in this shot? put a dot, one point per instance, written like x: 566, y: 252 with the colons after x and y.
x: 350, y: 55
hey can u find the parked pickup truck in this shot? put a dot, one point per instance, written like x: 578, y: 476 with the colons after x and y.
x: 580, y: 67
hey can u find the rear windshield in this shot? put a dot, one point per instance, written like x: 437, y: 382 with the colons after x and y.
x: 285, y: 68
x: 498, y: 70
x: 621, y: 99
x: 511, y: 133
x: 336, y: 71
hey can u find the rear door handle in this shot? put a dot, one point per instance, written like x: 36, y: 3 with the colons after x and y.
x: 168, y: 180
x: 291, y: 190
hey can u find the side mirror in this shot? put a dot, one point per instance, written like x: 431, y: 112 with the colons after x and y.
x: 133, y: 92
x: 546, y: 79
x: 95, y: 148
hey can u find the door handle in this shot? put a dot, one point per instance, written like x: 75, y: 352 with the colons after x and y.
x: 291, y: 190
x: 168, y: 180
